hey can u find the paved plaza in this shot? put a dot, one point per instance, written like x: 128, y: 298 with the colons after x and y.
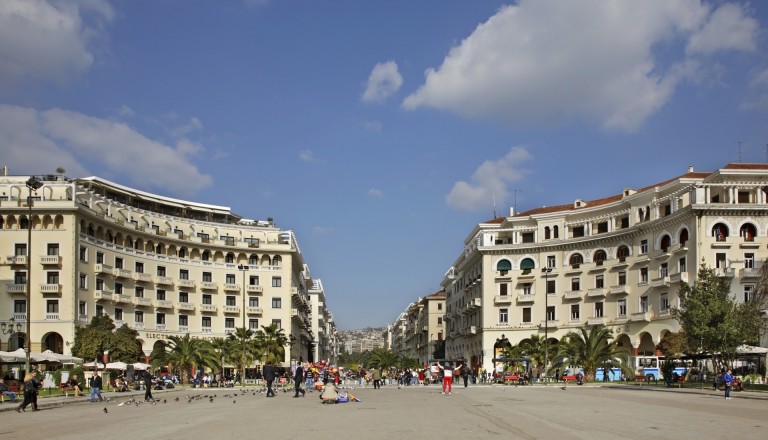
x: 478, y: 412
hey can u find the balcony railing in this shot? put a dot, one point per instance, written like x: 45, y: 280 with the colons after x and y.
x: 660, y: 282
x: 16, y: 288
x: 231, y: 309
x: 600, y: 320
x: 167, y: 281
x: 641, y: 316
x: 138, y: 326
x: 597, y: 292
x: 122, y: 273
x: 142, y: 277
x: 253, y: 288
x: 549, y: 324
x: 573, y: 294
x: 50, y: 288
x: 255, y: 310
x: 209, y: 285
x: 163, y: 304
x: 680, y: 277
x: 622, y: 289
x: 160, y: 327
x: 183, y: 329
x: 231, y: 287
x: 50, y: 259
x: 20, y: 317
x: 189, y: 284
x: 102, y: 295
x: 207, y: 330
x: 208, y: 308
x: 102, y: 268
x: 124, y: 299
x: 185, y: 306
x: 17, y: 259
x: 502, y: 299
x: 525, y: 298
x: 142, y: 301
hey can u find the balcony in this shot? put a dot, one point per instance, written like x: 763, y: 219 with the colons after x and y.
x: 119, y: 323
x: 725, y: 272
x: 660, y: 282
x: 596, y: 321
x: 528, y: 325
x: 51, y: 288
x: 475, y: 303
x: 103, y: 295
x: 16, y: 288
x: 640, y: 317
x: 209, y: 285
x: 232, y: 309
x: 82, y: 318
x: 142, y: 301
x: 165, y: 281
x: 526, y: 275
x: 163, y: 304
x: 549, y: 324
x: 160, y: 327
x: 185, y: 306
x: 188, y: 284
x: 229, y: 330
x: 573, y: 294
x: 122, y: 273
x: 619, y: 290
x: 123, y: 299
x: 183, y: 329
x: 680, y: 277
x: 52, y: 317
x: 255, y: 310
x: 17, y: 259
x: 598, y: 292
x: 103, y: 268
x: 209, y: 308
x: 525, y: 298
x: 138, y: 326
x: 425, y: 328
x: 254, y: 288
x: 502, y: 299
x: 206, y: 330
x: 142, y: 277
x: 665, y: 312
x: 473, y: 330
x: 50, y: 260
x: 231, y: 287
x: 749, y: 272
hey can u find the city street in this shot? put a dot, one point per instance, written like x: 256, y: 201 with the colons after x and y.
x: 480, y: 412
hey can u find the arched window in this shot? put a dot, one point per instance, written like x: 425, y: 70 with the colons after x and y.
x: 503, y: 266
x: 555, y: 232
x: 546, y: 233
x: 665, y: 242
x: 599, y: 257
x: 206, y: 256
x: 683, y: 237
x: 575, y: 260
x: 230, y: 258
x: 720, y: 232
x: 748, y: 232
x: 622, y: 253
x: 277, y: 260
x: 183, y: 253
x: 253, y: 260
x: 527, y: 265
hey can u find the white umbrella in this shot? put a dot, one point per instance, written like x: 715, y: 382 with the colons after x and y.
x: 64, y: 358
x: 11, y: 357
x: 116, y: 366
x: 36, y: 357
x: 96, y: 365
x: 141, y: 366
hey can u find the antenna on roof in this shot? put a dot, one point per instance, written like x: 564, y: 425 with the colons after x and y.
x: 739, y: 151
x: 515, y: 204
x: 494, y: 206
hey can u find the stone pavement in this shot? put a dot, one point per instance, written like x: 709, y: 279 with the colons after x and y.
x: 478, y: 412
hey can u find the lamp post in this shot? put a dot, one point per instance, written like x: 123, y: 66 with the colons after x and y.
x: 10, y: 327
x: 33, y: 184
x: 546, y: 271
x: 244, y: 268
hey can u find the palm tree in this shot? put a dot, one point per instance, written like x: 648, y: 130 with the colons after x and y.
x: 591, y: 350
x: 534, y: 348
x: 186, y: 353
x: 242, y: 348
x: 271, y: 343
x: 383, y: 358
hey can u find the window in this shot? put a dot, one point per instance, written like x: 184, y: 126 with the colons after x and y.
x: 160, y: 294
x: 551, y: 313
x: 82, y: 308
x: 599, y: 257
x: 252, y: 241
x: 720, y: 232
x: 83, y: 253
x: 118, y: 314
x: 99, y: 310
x: 277, y: 282
x: 99, y: 258
x: 664, y: 302
x: 526, y: 315
x: 139, y: 267
x: 229, y: 323
x: 551, y: 287
x: 161, y: 271
x: 621, y: 307
x: 83, y: 283
x: 53, y: 249
x: 644, y: 304
x: 183, y: 320
x: 20, y: 249
x: 253, y: 260
x: 20, y: 306
x: 527, y: 288
x: 749, y: 291
x: 551, y: 261
x: 277, y: 303
x: 720, y: 261
x: 160, y: 318
x: 602, y: 227
x: 118, y: 262
x: 555, y: 232
x: 748, y: 232
x: 503, y: 266
x: 599, y: 282
x: 503, y: 289
x: 19, y: 277
x: 139, y: 292
x: 183, y: 253
x: 99, y: 284
x: 183, y: 274
x: 206, y: 322
x: 253, y: 301
x: 138, y: 316
x: 439, y: 306
x: 230, y: 278
x: 622, y: 253
x: 207, y: 299
x: 599, y: 309
x: 206, y: 256
x: 643, y: 247
x: 547, y: 233
x: 439, y: 321
x: 682, y: 265
x: 622, y: 278
x: 663, y: 270
x: 231, y: 300
x: 230, y: 258
x: 503, y: 316
x: 575, y: 260
x: 277, y: 323
x: 253, y: 280
x: 52, y: 277
x: 749, y: 261
x: 253, y: 324
x: 665, y: 243
x: 52, y: 306
x: 527, y: 237
x: 578, y: 231
x: 643, y: 275
x: 183, y: 297
x: 575, y: 284
x: 574, y: 312
x: 207, y: 277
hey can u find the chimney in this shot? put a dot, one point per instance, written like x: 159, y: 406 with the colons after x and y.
x: 690, y: 168
x: 512, y: 211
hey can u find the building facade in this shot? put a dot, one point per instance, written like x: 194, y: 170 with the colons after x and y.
x: 162, y: 266
x: 419, y: 328
x: 617, y: 261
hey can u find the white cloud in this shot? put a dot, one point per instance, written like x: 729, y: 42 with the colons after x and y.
x: 373, y: 192
x: 374, y: 126
x: 307, y: 156
x: 383, y: 81
x: 489, y: 181
x: 48, y: 41
x: 38, y: 141
x: 194, y: 125
x: 552, y: 61
x: 125, y: 111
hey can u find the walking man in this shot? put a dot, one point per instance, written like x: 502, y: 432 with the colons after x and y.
x: 728, y: 382
x: 269, y: 376
x: 147, y: 376
x: 96, y: 387
x: 298, y: 379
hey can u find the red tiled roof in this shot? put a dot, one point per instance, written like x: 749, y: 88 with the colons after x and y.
x: 746, y: 166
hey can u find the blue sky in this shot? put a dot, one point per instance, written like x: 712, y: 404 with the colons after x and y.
x: 381, y: 131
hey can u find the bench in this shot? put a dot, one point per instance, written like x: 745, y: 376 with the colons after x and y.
x: 567, y: 378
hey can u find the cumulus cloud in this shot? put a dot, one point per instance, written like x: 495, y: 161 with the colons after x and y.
x: 306, y: 155
x: 36, y: 141
x: 554, y: 61
x: 125, y: 111
x: 373, y: 192
x: 48, y: 41
x: 489, y: 181
x: 383, y: 81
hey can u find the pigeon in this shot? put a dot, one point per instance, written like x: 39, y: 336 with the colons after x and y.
x: 105, y: 410
x: 164, y: 401
x: 562, y: 388
x: 177, y: 399
x: 234, y: 401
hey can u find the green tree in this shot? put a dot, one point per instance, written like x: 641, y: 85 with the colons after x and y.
x: 439, y: 352
x: 242, y: 348
x: 100, y: 335
x: 271, y: 343
x: 591, y: 349
x: 127, y: 347
x: 186, y: 353
x: 534, y: 348
x: 383, y: 358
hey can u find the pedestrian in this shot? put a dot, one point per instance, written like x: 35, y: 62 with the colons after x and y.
x: 465, y: 375
x: 376, y: 378
x: 30, y: 391
x: 298, y: 379
x: 147, y: 376
x: 96, y: 387
x: 448, y: 374
x: 269, y: 376
x: 728, y: 382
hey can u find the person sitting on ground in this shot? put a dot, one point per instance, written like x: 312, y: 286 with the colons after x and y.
x: 6, y: 391
x: 330, y: 393
x: 74, y: 385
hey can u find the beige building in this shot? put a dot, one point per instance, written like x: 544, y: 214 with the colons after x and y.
x: 617, y: 261
x: 323, y: 325
x: 162, y: 266
x: 419, y: 328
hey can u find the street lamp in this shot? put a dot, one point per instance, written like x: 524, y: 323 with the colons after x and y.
x: 33, y: 184
x: 244, y: 268
x: 546, y: 271
x: 10, y: 327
